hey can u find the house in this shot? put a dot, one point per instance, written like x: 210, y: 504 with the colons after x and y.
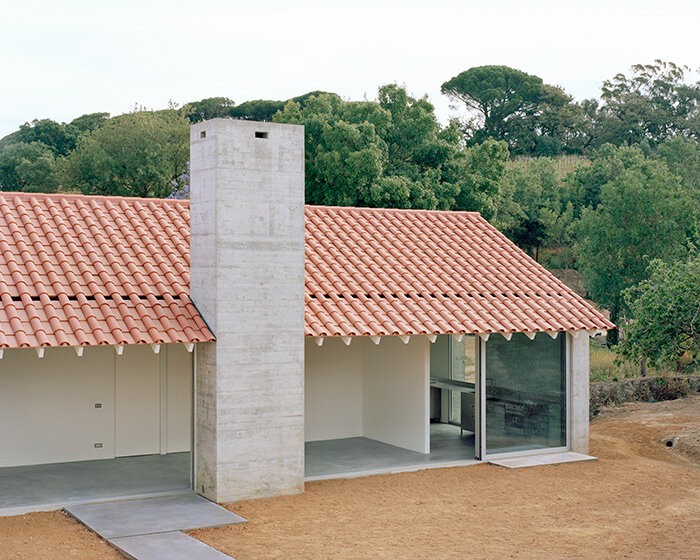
x: 282, y: 336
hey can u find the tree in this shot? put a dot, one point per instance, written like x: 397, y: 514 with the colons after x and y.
x: 665, y: 312
x: 642, y: 215
x: 682, y: 156
x: 582, y: 186
x: 61, y: 138
x: 386, y: 153
x: 28, y: 167
x: 530, y: 209
x: 135, y: 154
x: 480, y: 178
x: 209, y: 108
x: 654, y: 103
x: 265, y: 109
x: 89, y: 122
x: 518, y: 108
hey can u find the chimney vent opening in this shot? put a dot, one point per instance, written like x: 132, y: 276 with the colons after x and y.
x: 261, y: 134
x: 203, y: 134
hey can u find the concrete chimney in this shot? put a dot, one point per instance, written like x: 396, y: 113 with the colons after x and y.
x: 247, y: 280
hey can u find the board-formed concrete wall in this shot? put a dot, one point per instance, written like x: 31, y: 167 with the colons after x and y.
x: 579, y: 388
x: 247, y: 280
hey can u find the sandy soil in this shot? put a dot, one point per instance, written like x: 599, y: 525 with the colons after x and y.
x: 51, y: 536
x: 641, y: 500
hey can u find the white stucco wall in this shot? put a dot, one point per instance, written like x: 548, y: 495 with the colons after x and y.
x: 333, y: 390
x: 396, y: 392
x: 47, y: 405
x: 377, y: 391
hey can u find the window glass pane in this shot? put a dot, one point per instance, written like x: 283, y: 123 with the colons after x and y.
x: 525, y: 392
x: 463, y: 369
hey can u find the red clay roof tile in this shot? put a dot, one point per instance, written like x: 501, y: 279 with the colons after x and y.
x: 403, y: 272
x: 82, y: 270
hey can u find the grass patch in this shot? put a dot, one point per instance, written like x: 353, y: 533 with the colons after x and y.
x: 605, y: 366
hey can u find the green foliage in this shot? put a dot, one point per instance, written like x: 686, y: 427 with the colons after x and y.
x: 136, y: 154
x: 583, y: 186
x: 61, y: 138
x: 642, y: 215
x: 682, y: 156
x: 665, y: 311
x: 480, y: 179
x: 515, y: 107
x: 257, y: 110
x: 28, y: 167
x: 654, y: 103
x: 209, y: 108
x: 531, y: 209
x: 389, y: 153
x: 89, y: 122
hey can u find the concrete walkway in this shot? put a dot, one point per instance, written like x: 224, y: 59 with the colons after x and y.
x: 150, y: 528
x: 542, y: 459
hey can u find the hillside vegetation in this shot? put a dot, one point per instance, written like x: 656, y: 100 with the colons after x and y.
x: 608, y: 187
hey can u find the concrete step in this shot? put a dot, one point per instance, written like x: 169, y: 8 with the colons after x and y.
x: 542, y: 459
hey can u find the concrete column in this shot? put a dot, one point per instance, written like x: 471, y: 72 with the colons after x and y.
x: 247, y: 280
x: 578, y: 345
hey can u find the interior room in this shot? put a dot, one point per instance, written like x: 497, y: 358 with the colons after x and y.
x: 368, y: 406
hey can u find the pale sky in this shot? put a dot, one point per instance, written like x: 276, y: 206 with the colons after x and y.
x: 61, y: 59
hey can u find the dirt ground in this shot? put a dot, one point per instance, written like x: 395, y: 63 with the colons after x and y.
x: 641, y: 500
x: 51, y: 536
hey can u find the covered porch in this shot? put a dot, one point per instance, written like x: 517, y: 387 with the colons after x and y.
x: 95, y: 424
x: 406, y: 403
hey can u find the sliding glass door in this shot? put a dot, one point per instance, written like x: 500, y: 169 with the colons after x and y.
x: 525, y: 392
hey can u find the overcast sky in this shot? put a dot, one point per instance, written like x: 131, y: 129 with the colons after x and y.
x: 62, y: 59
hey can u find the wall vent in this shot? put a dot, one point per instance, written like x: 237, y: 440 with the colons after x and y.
x: 261, y: 134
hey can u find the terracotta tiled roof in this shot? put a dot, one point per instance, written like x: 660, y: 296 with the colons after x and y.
x: 403, y: 272
x: 80, y: 270
x: 85, y: 270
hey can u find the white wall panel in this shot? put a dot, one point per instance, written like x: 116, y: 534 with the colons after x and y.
x: 396, y: 392
x: 333, y: 390
x: 137, y: 402
x: 179, y: 405
x: 47, y: 406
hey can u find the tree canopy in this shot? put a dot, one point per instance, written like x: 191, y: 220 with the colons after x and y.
x: 665, y: 311
x: 643, y: 214
x: 135, y: 154
x: 518, y: 108
x: 390, y: 153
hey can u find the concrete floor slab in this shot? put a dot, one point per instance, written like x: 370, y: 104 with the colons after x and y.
x: 542, y: 459
x: 56, y: 485
x: 166, y: 546
x: 126, y: 518
x: 362, y: 456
